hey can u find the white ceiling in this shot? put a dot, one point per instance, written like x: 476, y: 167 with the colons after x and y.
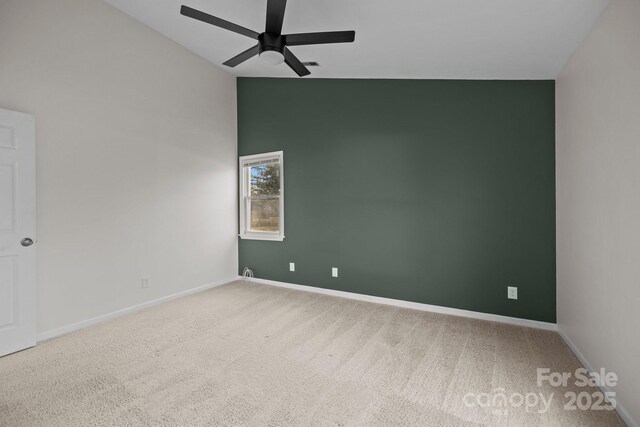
x: 421, y: 39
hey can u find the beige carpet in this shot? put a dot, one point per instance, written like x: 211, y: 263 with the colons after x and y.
x: 249, y: 354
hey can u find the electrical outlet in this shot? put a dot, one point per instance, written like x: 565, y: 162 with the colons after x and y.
x: 512, y: 292
x: 334, y: 271
x: 292, y: 266
x: 144, y: 282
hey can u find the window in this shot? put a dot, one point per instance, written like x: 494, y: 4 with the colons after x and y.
x: 262, y: 197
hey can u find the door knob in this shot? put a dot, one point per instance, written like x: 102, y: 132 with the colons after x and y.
x: 26, y: 242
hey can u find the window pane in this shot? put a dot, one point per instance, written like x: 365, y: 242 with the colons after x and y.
x: 265, y: 214
x: 262, y: 196
x: 265, y: 180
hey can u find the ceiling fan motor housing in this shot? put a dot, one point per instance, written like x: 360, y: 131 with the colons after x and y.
x: 271, y: 41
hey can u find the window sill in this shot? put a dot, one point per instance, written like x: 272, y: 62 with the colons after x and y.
x: 257, y: 236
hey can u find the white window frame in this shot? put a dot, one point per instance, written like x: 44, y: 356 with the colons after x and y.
x: 244, y: 197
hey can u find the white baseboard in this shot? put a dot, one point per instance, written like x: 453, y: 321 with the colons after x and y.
x: 414, y: 305
x: 626, y: 417
x: 108, y: 316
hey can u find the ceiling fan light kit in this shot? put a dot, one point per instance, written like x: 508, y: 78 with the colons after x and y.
x: 271, y: 57
x: 272, y: 44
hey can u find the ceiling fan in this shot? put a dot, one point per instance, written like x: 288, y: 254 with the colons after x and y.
x: 272, y: 44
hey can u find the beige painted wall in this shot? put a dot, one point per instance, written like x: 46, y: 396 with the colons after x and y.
x: 598, y: 186
x: 136, y: 156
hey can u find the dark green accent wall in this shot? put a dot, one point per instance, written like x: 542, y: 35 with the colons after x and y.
x: 434, y: 191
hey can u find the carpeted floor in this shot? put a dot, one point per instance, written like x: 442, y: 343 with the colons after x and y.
x: 252, y: 354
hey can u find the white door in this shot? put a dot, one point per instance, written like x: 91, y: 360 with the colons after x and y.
x: 17, y: 232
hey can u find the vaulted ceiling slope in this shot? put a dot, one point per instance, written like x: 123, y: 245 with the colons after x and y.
x: 417, y: 39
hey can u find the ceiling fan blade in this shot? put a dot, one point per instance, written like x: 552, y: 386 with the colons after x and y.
x: 275, y: 16
x: 240, y: 58
x: 320, y: 38
x: 210, y: 19
x: 295, y: 64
